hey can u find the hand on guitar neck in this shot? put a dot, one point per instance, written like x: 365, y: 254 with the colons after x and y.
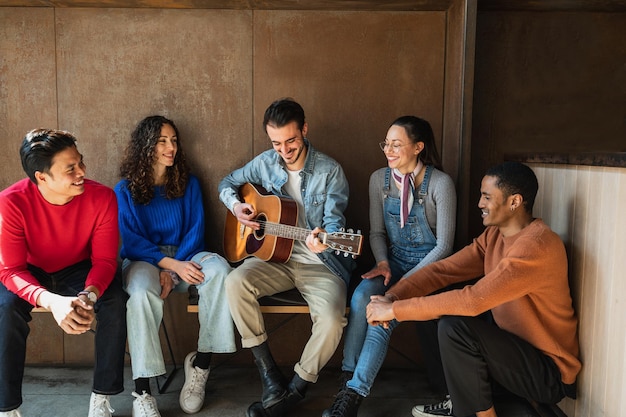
x: 313, y: 241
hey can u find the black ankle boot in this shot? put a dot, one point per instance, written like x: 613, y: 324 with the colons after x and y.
x: 347, y: 403
x: 273, y: 382
x: 296, y: 391
x: 277, y: 410
x: 256, y: 410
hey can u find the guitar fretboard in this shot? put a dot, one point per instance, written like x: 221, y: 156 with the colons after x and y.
x: 286, y: 231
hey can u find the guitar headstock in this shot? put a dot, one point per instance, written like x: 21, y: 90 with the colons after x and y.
x: 348, y: 242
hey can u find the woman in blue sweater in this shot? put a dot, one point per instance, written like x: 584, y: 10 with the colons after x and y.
x: 161, y: 222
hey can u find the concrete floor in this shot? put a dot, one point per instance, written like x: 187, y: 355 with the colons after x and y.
x: 64, y: 392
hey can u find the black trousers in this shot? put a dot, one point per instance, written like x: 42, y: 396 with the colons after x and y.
x: 476, y: 353
x: 110, y: 337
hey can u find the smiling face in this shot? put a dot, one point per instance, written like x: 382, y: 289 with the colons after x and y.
x: 66, y: 178
x: 165, y: 150
x: 288, y: 141
x: 496, y: 209
x: 400, y: 152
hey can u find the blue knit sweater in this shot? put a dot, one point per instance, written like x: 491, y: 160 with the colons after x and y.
x: 161, y: 222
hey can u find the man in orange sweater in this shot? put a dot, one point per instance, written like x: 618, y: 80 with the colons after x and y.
x: 531, y: 345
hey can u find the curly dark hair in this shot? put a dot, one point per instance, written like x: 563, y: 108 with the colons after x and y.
x: 137, y: 165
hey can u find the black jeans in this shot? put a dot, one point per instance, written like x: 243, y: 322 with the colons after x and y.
x: 110, y: 339
x: 475, y: 353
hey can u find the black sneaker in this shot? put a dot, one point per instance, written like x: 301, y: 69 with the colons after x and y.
x: 346, y: 404
x: 443, y: 408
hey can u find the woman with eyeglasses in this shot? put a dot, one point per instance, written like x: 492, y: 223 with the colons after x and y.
x: 161, y: 223
x: 412, y: 224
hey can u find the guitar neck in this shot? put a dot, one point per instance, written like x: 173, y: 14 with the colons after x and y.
x: 347, y: 242
x: 286, y: 231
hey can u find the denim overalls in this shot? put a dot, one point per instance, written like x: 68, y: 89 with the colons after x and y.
x: 408, y: 246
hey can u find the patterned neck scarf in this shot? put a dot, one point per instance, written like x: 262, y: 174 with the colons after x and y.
x: 406, y: 185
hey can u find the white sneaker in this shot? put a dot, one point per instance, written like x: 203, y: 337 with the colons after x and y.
x: 443, y: 408
x: 192, y: 395
x: 99, y: 406
x: 12, y: 413
x: 145, y: 405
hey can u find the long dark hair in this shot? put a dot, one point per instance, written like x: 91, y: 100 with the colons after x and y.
x: 419, y: 130
x: 137, y: 165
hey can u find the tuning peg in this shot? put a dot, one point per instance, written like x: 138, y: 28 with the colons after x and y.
x: 350, y: 230
x: 343, y: 229
x: 345, y: 254
x: 337, y: 252
x: 358, y: 232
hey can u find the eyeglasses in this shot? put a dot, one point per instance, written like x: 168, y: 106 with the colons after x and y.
x: 395, y: 148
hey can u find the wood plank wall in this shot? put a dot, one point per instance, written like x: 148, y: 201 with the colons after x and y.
x: 585, y: 205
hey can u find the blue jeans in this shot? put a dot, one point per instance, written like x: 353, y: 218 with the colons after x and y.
x: 110, y: 339
x: 356, y: 331
x: 372, y: 357
x: 145, y: 311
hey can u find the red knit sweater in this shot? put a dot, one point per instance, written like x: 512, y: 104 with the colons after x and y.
x: 52, y: 237
x: 525, y: 285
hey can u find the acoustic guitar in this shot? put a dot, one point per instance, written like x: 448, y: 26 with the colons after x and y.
x: 278, y: 217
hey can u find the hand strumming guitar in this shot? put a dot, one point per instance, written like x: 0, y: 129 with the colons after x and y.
x: 246, y: 215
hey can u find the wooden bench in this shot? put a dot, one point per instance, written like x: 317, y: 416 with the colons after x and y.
x: 287, y: 302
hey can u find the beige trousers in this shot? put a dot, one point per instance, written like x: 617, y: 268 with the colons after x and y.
x: 324, y: 292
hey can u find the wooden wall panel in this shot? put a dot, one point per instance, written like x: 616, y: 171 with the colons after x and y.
x: 584, y: 206
x: 27, y: 82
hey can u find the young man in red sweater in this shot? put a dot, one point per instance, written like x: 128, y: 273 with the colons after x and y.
x: 530, y: 346
x: 58, y: 250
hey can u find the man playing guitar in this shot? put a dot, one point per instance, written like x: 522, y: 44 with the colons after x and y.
x: 316, y: 182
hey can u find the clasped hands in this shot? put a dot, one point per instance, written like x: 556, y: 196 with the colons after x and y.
x: 379, y: 311
x: 73, y: 314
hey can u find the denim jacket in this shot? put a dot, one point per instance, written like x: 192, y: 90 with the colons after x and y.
x: 324, y: 194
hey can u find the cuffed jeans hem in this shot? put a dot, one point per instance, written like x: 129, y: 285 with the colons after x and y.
x: 251, y: 342
x: 361, y: 392
x: 95, y: 391
x: 229, y: 350
x: 149, y: 374
x: 304, y: 374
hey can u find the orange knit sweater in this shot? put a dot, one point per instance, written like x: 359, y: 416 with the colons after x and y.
x: 524, y: 283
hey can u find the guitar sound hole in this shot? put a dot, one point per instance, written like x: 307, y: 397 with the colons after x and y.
x: 259, y: 234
